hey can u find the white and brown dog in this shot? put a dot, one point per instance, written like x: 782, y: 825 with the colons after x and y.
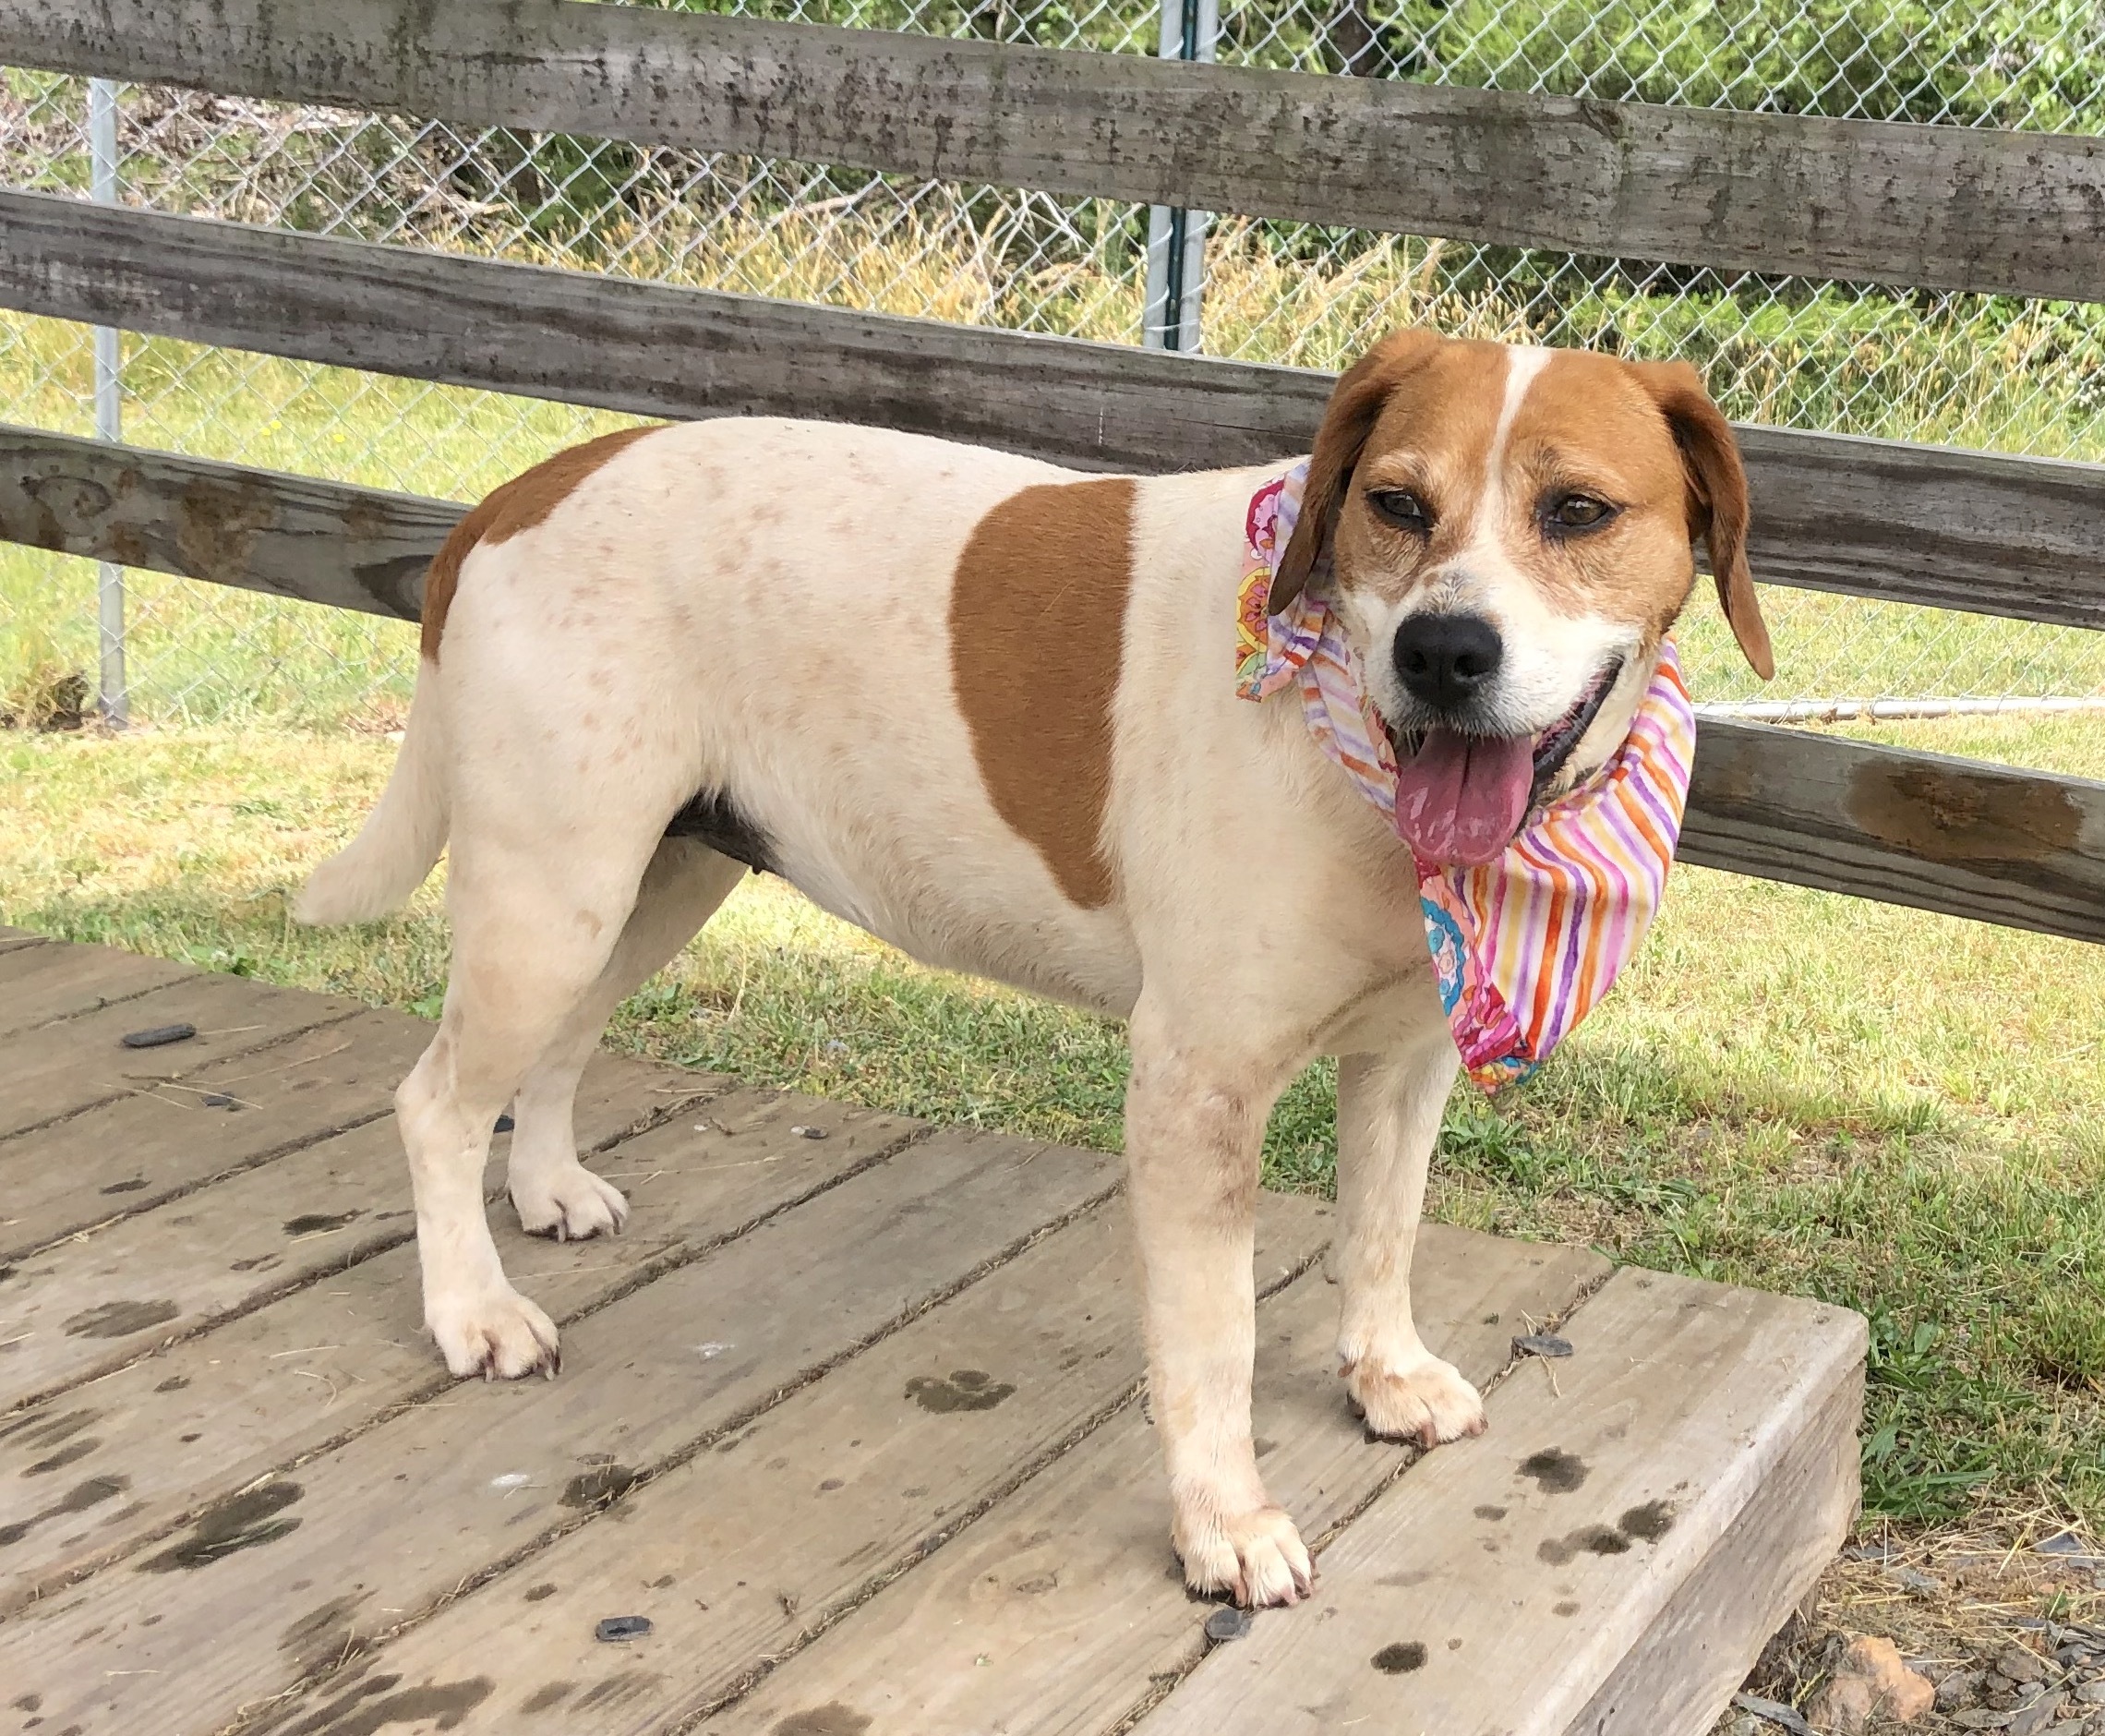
x: 983, y: 709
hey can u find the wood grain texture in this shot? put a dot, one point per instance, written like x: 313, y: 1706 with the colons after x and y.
x: 365, y: 1549
x: 95, y: 1302
x: 1999, y: 845
x: 56, y: 1070
x: 1996, y: 534
x: 1693, y: 1653
x: 743, y: 1552
x: 183, y: 1431
x: 257, y: 530
x: 39, y: 985
x: 1058, y: 1612
x: 1924, y: 207
x: 143, y: 1149
x: 1503, y: 1584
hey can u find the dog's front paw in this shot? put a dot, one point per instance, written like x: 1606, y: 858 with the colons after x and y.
x: 1415, y: 1398
x: 569, y: 1204
x: 1258, y: 1557
x: 496, y: 1333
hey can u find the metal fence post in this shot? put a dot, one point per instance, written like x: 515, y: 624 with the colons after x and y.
x: 1176, y: 239
x: 109, y: 409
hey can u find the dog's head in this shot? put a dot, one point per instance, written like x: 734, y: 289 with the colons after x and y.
x: 1511, y: 533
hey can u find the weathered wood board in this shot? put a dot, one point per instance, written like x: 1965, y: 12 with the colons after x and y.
x: 40, y: 985
x: 1986, y: 532
x: 743, y: 1550
x: 1682, y: 1478
x: 2023, y: 848
x: 59, y: 1068
x: 141, y: 1149
x: 1063, y: 1609
x: 1925, y: 207
x: 650, y: 1378
x: 182, y: 1430
x: 90, y: 1303
x: 851, y: 1414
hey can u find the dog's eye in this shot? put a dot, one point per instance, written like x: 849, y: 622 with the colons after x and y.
x: 1579, y: 512
x: 1401, y: 508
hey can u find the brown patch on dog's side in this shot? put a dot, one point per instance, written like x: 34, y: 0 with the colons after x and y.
x: 1037, y: 632
x: 506, y: 510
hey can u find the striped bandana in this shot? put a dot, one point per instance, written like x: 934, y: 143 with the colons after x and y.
x: 1525, y: 945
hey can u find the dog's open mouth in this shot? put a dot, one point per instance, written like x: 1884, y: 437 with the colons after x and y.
x: 1460, y: 799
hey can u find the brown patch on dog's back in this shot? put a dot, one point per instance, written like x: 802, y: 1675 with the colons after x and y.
x: 1037, y: 636
x: 506, y: 510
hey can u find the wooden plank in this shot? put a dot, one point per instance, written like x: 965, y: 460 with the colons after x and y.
x: 1057, y: 1610
x: 1988, y: 533
x: 12, y: 938
x: 644, y: 348
x: 264, y: 531
x: 142, y: 1149
x: 163, y: 1648
x: 40, y: 985
x: 186, y: 1429
x: 1996, y: 845
x: 743, y: 1551
x: 2019, y: 847
x: 1696, y: 1650
x: 95, y: 1302
x: 1505, y: 1585
x: 59, y: 1069
x: 1925, y: 207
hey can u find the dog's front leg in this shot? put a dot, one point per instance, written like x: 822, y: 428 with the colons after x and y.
x: 1388, y: 1114
x: 1193, y: 1127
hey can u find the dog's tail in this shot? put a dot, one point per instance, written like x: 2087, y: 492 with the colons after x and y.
x: 401, y: 838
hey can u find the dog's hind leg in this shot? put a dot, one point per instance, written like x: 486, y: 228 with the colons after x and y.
x: 534, y: 928
x: 554, y: 1194
x: 1388, y: 1114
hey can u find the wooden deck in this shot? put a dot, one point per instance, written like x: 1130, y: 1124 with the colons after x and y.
x: 851, y: 1415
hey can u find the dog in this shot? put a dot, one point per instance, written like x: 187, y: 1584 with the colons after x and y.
x: 981, y: 707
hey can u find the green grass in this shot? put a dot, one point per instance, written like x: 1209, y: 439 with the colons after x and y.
x: 1898, y: 1112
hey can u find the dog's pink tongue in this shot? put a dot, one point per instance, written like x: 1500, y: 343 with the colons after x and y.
x: 1461, y: 798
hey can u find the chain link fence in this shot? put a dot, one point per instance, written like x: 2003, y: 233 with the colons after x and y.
x: 1998, y: 373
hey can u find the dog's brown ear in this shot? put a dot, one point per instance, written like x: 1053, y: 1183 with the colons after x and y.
x: 1717, y: 497
x: 1355, y: 405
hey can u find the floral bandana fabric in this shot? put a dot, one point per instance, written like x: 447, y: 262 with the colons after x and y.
x: 1524, y: 947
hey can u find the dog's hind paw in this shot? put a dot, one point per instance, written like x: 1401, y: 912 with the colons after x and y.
x: 1419, y: 1399
x: 568, y: 1205
x: 1257, y: 1558
x: 496, y: 1333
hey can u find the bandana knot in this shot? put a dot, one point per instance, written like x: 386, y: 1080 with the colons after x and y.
x: 1525, y: 946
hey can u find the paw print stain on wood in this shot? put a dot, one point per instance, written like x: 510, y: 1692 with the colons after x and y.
x: 1647, y: 1524
x: 78, y: 1499
x: 599, y: 1486
x: 242, y: 1522
x: 1554, y: 1471
x: 834, y: 1719
x: 120, y: 1319
x: 315, y: 1223
x: 963, y: 1389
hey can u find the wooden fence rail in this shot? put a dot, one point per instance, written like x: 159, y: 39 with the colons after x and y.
x: 2021, y: 849
x: 1924, y: 207
x: 2015, y: 536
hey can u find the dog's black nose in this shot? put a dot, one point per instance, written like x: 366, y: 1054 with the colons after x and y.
x: 1444, y: 660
